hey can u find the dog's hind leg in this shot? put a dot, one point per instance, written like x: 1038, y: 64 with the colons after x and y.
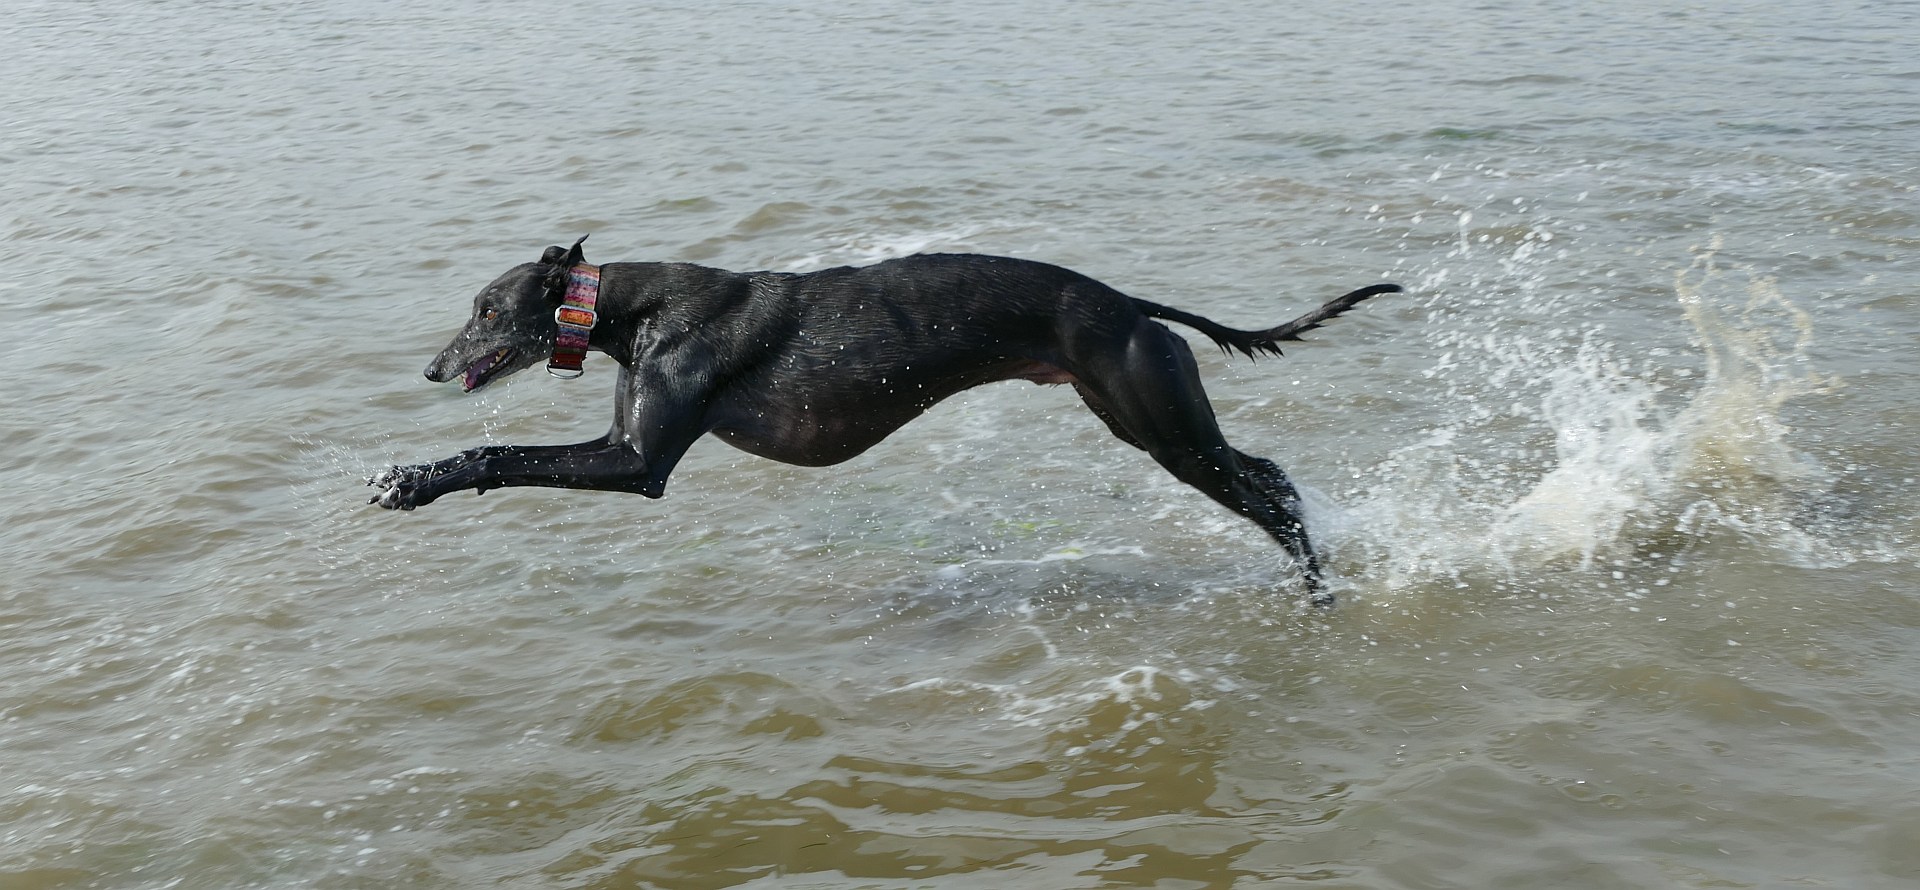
x: 1106, y: 416
x: 1265, y: 474
x: 1148, y: 392
x: 1278, y: 489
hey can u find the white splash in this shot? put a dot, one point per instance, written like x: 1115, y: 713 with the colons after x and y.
x: 1589, y: 453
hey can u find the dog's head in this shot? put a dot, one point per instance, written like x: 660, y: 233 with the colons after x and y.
x: 512, y: 327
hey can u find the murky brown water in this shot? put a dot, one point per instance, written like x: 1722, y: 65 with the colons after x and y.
x: 1617, y: 497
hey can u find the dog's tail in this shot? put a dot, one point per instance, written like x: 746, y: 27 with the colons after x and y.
x: 1252, y: 343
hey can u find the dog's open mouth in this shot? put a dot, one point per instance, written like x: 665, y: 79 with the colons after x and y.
x: 486, y: 369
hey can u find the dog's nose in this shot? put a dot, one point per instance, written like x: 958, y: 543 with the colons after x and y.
x: 437, y: 369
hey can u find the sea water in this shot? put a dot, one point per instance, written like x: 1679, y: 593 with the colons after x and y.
x: 1616, y: 496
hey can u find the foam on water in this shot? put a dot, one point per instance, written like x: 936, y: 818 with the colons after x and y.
x: 865, y: 248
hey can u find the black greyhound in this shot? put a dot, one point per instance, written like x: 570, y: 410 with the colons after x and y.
x: 815, y: 368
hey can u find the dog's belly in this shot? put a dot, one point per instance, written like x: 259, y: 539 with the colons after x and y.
x: 817, y: 426
x: 1042, y: 373
x: 805, y: 442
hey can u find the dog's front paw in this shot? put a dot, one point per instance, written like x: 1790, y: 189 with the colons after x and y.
x: 402, y: 488
x: 385, y: 478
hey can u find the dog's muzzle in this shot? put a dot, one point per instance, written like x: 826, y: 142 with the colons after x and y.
x: 485, y: 369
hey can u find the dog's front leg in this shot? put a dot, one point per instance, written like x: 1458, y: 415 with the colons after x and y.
x: 391, y: 476
x: 638, y: 465
x: 657, y: 419
x: 407, y: 487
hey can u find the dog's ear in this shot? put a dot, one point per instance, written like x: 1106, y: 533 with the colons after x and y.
x: 565, y: 258
x: 559, y: 265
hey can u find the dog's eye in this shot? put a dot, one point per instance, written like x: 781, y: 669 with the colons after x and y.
x: 489, y: 314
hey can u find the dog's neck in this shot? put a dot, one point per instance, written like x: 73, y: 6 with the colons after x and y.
x: 576, y: 317
x: 665, y: 302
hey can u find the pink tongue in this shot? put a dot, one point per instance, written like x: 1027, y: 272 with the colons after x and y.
x: 479, y: 367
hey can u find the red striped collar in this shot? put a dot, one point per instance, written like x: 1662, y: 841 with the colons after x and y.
x: 576, y: 317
